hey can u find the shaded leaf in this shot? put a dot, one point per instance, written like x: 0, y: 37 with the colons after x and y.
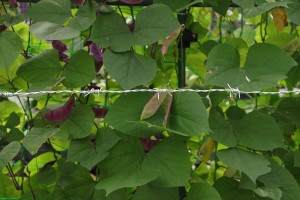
x: 129, y: 69
x: 36, y: 137
x: 8, y: 153
x: 62, y: 112
x: 262, y: 8
x: 203, y: 191
x: 149, y: 192
x: 173, y: 4
x: 88, y: 153
x: 293, y: 11
x: 251, y: 164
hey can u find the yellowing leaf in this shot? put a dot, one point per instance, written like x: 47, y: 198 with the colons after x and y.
x: 171, y: 38
x: 207, y: 149
x: 279, y: 17
x: 153, y: 104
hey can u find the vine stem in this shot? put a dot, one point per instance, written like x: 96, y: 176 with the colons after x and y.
x: 216, y: 163
x: 12, y: 175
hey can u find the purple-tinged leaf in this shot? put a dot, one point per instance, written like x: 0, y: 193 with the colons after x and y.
x: 100, y: 112
x: 23, y: 7
x: 153, y: 104
x: 148, y: 144
x: 96, y: 52
x: 13, y: 3
x: 171, y: 38
x: 2, y: 28
x: 61, y: 113
x: 79, y: 2
x: 132, y: 1
x: 167, y: 106
x: 58, y: 45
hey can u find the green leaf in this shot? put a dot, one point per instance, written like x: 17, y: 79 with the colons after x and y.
x: 149, y: 192
x: 220, y: 6
x: 45, y: 178
x: 273, y: 193
x: 116, y: 195
x: 172, y: 171
x: 203, y: 191
x: 283, y: 179
x: 52, y: 31
x: 188, y: 114
x: 265, y: 65
x: 41, y: 68
x: 141, y: 175
x: 222, y: 130
x: 80, y: 70
x: 127, y: 110
x: 293, y: 11
x: 297, y: 158
x: 256, y: 128
x: 75, y: 182
x: 79, y: 123
x: 13, y: 120
x: 244, y: 3
x: 36, y: 137
x: 7, y: 107
x: 229, y: 189
x: 251, y: 164
x: 124, y: 167
x: 2, y: 132
x: 223, y: 66
x: 55, y: 11
x: 173, y: 4
x: 7, y: 188
x: 110, y: 30
x: 153, y: 23
x: 88, y: 153
x: 129, y: 69
x: 14, y: 135
x: 38, y: 194
x: 8, y: 153
x: 10, y: 48
x: 85, y: 17
x: 262, y: 8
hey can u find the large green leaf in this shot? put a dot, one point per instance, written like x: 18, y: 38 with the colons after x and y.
x: 85, y: 17
x: 293, y: 11
x: 228, y: 189
x: 188, y: 114
x: 127, y: 110
x: 8, y: 107
x: 262, y: 8
x: 265, y: 65
x: 283, y: 179
x: 110, y: 30
x: 41, y: 68
x: 55, y: 11
x: 10, y: 48
x: 88, y: 153
x: 8, y: 153
x: 251, y: 164
x: 153, y: 23
x: 36, y: 137
x: 203, y: 191
x: 129, y: 69
x: 124, y: 166
x: 173, y: 4
x: 52, y: 31
x: 80, y: 70
x: 7, y: 188
x: 75, y: 182
x: 256, y: 128
x: 79, y: 123
x: 172, y: 171
x: 222, y: 130
x: 220, y: 6
x: 149, y: 192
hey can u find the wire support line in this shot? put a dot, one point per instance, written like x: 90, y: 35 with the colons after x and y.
x: 170, y: 91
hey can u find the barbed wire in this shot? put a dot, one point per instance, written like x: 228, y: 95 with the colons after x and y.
x: 170, y: 91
